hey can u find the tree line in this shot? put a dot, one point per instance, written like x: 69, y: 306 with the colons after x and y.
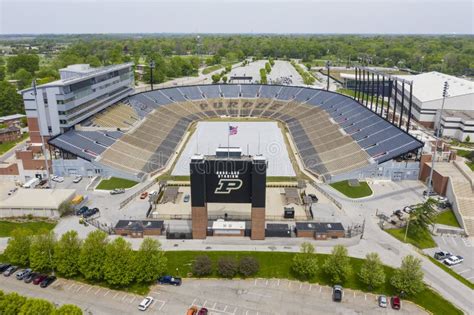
x: 97, y: 258
x: 15, y: 304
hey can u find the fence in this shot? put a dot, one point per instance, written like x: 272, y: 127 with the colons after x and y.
x: 337, y: 203
x: 136, y: 194
x: 101, y: 226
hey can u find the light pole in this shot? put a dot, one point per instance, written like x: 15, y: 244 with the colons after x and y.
x: 328, y: 66
x: 43, y: 147
x: 152, y: 66
x: 437, y: 135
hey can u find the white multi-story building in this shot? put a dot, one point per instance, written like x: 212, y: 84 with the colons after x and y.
x: 458, y: 124
x: 81, y: 92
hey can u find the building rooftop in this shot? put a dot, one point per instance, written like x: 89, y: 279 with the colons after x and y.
x: 429, y: 86
x: 320, y: 227
x: 11, y: 117
x: 463, y: 114
x: 228, y: 225
x: 139, y: 225
x: 38, y: 198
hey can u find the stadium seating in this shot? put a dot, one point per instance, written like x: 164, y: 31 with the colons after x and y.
x: 333, y: 133
x: 117, y: 116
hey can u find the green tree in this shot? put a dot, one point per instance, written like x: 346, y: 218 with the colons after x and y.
x: 11, y: 303
x: 216, y: 78
x: 372, y: 273
x: 224, y: 79
x: 42, y: 251
x: 468, y: 139
x: 248, y: 266
x: 118, y: 263
x: 227, y: 267
x: 29, y: 62
x: 268, y: 68
x: 202, y: 266
x: 305, y: 263
x: 68, y: 309
x: 65, y: 208
x: 12, y: 102
x: 409, y: 277
x: 2, y: 73
x: 337, y: 265
x: 228, y: 68
x: 17, y: 250
x: 36, y: 307
x: 92, y: 256
x: 24, y: 78
x: 422, y: 216
x: 150, y: 261
x: 66, y: 254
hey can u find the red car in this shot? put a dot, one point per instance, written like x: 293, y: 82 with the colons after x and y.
x: 144, y: 195
x: 396, y: 303
x: 39, y: 279
x: 203, y: 311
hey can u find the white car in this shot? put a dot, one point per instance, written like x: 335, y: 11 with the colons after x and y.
x: 453, y: 260
x: 57, y: 179
x: 145, y: 303
x: 407, y: 209
x: 77, y: 179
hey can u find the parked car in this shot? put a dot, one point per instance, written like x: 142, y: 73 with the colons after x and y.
x: 82, y: 210
x: 90, y: 212
x: 430, y: 194
x: 143, y: 195
x: 57, y: 179
x: 39, y: 278
x: 10, y: 270
x: 117, y: 191
x: 313, y: 197
x: 453, y: 260
x: 77, y: 179
x: 396, y: 302
x: 20, y: 275
x: 407, y: 209
x: 4, y: 267
x: 337, y: 293
x: 170, y: 280
x: 12, y: 191
x: 398, y: 213
x: 441, y: 255
x: 145, y: 303
x: 47, y: 281
x: 186, y: 198
x: 382, y: 299
x: 192, y: 310
x: 30, y: 277
x: 203, y: 311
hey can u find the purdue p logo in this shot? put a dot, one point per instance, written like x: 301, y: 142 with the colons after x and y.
x: 226, y: 185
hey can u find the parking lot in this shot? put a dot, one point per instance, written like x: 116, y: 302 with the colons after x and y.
x: 457, y: 245
x: 226, y: 297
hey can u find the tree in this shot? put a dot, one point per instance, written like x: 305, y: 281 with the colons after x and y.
x: 24, y: 78
x: 68, y: 309
x: 268, y: 68
x: 224, y: 79
x: 228, y: 68
x: 305, y: 263
x: 118, y: 263
x: 2, y: 73
x: 12, y: 102
x: 65, y: 208
x: 11, y: 303
x: 422, y: 216
x: 42, y: 251
x: 372, y: 273
x: 468, y: 139
x: 337, y: 265
x: 36, y: 307
x: 227, y: 267
x: 150, y: 261
x: 17, y: 250
x: 29, y: 62
x: 66, y: 254
x: 92, y: 256
x: 248, y: 266
x: 202, y: 266
x: 409, y: 277
x: 216, y: 78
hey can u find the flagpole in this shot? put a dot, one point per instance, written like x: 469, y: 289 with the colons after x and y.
x: 228, y: 140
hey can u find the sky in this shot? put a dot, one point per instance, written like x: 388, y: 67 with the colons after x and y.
x: 237, y: 16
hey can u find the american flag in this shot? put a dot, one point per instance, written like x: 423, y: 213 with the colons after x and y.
x: 232, y: 130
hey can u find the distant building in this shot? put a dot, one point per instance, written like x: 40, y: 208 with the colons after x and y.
x: 9, y: 134
x: 138, y: 228
x: 81, y: 92
x: 319, y: 231
x: 458, y: 124
x: 428, y: 95
x: 12, y: 120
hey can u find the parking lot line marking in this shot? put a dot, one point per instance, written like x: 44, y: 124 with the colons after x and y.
x: 444, y: 240
x: 124, y: 296
x: 266, y: 283
x: 365, y: 297
x: 289, y: 283
x: 153, y: 304
x: 115, y: 295
x: 255, y: 283
x: 310, y: 286
x: 454, y: 241
x: 79, y: 289
x: 98, y: 290
x: 461, y: 272
x: 204, y: 304
x: 132, y: 299
x: 354, y: 294
x: 320, y: 289
x: 155, y: 292
x: 90, y: 288
x: 162, y: 305
x: 107, y: 292
x: 225, y: 308
x: 278, y: 283
x: 301, y: 285
x: 214, y: 306
x: 70, y: 287
x: 470, y: 278
x: 194, y: 301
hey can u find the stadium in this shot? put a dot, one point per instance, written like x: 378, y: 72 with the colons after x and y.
x: 332, y: 136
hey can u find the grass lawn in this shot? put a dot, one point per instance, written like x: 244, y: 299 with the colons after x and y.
x: 363, y: 190
x: 420, y: 240
x: 277, y: 179
x: 6, y: 227
x: 452, y: 272
x: 447, y: 218
x: 4, y: 147
x: 278, y: 265
x: 115, y: 182
x: 466, y: 154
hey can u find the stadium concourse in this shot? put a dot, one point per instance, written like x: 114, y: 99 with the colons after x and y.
x: 333, y: 134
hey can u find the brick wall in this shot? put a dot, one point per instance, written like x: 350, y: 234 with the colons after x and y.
x: 258, y: 224
x: 199, y: 222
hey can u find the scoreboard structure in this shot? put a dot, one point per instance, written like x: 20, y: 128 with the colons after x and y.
x: 228, y: 177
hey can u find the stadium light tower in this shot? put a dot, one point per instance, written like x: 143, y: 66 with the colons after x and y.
x: 437, y: 135
x: 152, y: 66
x: 328, y: 66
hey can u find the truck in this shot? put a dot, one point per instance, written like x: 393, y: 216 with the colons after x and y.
x: 31, y: 183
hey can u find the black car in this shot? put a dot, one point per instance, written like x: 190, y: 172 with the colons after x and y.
x: 4, y: 267
x: 337, y: 293
x: 90, y: 212
x: 170, y: 280
x: 30, y: 277
x: 313, y: 197
x: 46, y: 282
x: 82, y: 210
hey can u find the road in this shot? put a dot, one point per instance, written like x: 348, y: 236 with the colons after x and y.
x: 224, y: 297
